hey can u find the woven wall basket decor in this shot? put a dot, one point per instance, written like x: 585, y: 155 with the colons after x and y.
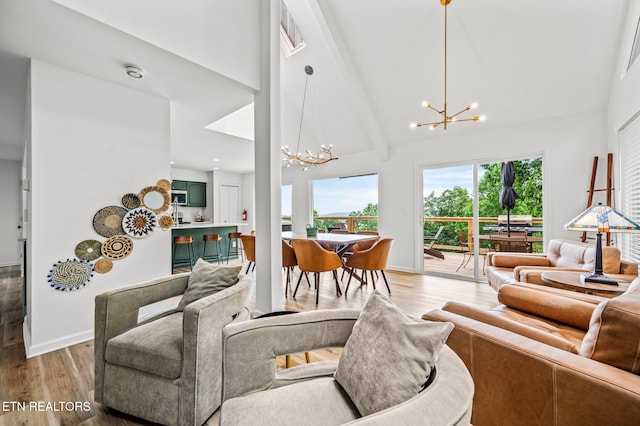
x: 164, y: 184
x: 108, y: 221
x: 70, y: 275
x: 103, y: 266
x: 117, y: 247
x: 131, y: 201
x: 88, y: 250
x: 139, y: 223
x: 154, y: 198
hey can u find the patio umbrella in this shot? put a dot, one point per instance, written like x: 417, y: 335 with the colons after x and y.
x: 508, y: 195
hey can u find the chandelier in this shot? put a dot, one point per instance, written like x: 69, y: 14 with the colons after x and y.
x: 444, y: 113
x: 308, y: 158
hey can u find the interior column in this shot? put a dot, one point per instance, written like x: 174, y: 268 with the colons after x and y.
x: 269, y: 295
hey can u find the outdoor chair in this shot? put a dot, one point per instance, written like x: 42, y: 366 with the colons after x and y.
x: 429, y: 241
x: 467, y: 251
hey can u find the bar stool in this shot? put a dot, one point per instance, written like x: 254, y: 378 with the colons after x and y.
x: 183, y: 240
x: 238, y: 249
x: 215, y: 240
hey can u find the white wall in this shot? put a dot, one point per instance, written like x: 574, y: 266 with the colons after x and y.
x: 190, y: 213
x: 91, y: 142
x: 624, y: 102
x: 567, y: 144
x: 10, y: 174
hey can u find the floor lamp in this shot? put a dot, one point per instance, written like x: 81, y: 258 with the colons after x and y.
x: 600, y: 218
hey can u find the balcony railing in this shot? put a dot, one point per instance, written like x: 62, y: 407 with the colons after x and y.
x: 361, y: 223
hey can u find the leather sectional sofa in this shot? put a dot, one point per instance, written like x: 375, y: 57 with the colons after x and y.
x: 544, y: 358
x: 510, y: 268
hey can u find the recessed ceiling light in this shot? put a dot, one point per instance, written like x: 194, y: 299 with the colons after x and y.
x: 134, y: 71
x: 215, y: 160
x: 216, y: 168
x: 172, y: 162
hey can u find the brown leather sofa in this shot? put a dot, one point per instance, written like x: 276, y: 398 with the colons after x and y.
x: 562, y: 255
x: 545, y: 359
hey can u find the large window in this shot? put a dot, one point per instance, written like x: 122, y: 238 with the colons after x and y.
x: 287, y: 201
x: 629, y: 149
x: 350, y: 202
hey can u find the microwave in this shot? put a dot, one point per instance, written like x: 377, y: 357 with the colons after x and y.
x: 179, y: 198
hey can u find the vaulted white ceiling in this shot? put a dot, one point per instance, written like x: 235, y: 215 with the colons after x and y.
x: 375, y: 62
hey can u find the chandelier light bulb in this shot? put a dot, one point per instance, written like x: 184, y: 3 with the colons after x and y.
x: 426, y: 104
x: 474, y: 105
x: 482, y: 118
x: 412, y: 125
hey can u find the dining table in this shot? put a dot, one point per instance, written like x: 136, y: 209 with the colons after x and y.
x: 340, y: 243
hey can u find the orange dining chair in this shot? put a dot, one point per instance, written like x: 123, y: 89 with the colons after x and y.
x: 289, y: 261
x: 249, y: 246
x: 313, y: 258
x: 373, y: 259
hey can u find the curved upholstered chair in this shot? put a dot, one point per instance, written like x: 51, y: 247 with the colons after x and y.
x: 249, y: 246
x: 165, y: 368
x: 255, y: 392
x: 313, y: 258
x: 373, y: 259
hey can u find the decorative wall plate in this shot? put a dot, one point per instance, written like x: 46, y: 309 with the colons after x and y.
x: 155, y: 198
x: 70, y: 274
x: 165, y: 222
x: 131, y: 201
x: 139, y: 223
x: 117, y: 247
x: 103, y: 266
x: 89, y: 250
x: 164, y: 184
x: 108, y: 221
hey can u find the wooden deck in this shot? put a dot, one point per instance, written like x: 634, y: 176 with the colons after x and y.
x: 67, y: 374
x: 450, y: 263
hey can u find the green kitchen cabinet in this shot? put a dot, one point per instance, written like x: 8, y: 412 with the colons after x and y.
x: 179, y: 185
x: 196, y: 194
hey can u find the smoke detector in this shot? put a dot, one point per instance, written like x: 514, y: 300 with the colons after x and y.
x: 134, y: 71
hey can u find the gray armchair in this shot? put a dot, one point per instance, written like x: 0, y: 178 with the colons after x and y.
x: 254, y: 392
x: 165, y: 369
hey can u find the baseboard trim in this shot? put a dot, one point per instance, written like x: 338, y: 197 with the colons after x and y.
x: 52, y: 345
x: 401, y: 269
x: 10, y: 263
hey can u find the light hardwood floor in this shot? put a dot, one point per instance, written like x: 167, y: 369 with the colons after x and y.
x: 66, y: 375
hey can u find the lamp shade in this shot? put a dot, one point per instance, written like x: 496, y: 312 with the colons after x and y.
x: 601, y: 218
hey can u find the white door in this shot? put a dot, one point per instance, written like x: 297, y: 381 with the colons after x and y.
x: 230, y: 203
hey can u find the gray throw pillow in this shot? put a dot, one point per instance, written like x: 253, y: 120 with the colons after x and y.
x: 206, y: 279
x: 389, y: 355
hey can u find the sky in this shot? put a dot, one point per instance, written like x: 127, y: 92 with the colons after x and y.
x: 437, y: 180
x: 338, y: 195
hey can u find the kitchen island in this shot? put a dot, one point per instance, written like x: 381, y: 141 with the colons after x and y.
x: 197, y: 230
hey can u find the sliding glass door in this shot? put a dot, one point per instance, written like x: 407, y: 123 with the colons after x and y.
x: 465, y: 217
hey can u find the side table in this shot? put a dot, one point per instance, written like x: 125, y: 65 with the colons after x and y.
x: 573, y: 281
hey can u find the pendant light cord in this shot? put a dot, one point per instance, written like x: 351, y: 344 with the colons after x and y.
x: 304, y: 99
